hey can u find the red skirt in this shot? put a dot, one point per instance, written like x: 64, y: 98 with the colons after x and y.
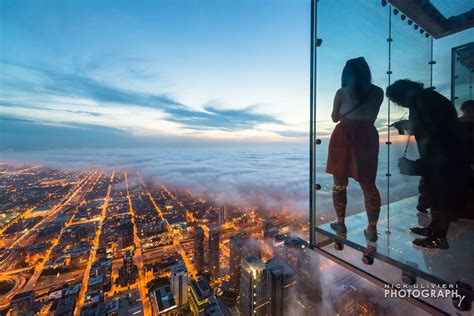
x: 353, y: 150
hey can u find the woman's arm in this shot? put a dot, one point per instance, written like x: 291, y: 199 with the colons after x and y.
x: 336, y: 108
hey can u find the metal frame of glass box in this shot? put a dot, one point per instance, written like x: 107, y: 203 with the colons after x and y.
x: 427, y: 21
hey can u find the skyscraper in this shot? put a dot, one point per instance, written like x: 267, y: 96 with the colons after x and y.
x: 254, y: 287
x: 282, y: 280
x: 128, y: 262
x: 179, y: 285
x: 236, y: 245
x: 296, y: 249
x: 128, y: 272
x: 199, y: 294
x: 222, y: 215
x: 125, y: 234
x: 214, y: 254
x: 269, y: 229
x: 299, y: 256
x: 199, y: 249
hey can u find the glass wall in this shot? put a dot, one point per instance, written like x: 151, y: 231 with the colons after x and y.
x: 372, y: 189
x: 462, y: 74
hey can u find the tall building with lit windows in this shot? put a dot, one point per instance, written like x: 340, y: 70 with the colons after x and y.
x: 128, y: 272
x: 222, y: 215
x: 179, y: 285
x: 236, y: 245
x: 125, y: 235
x: 214, y: 254
x: 283, y: 280
x: 199, y: 249
x: 255, y: 293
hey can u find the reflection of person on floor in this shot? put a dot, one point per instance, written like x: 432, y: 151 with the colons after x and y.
x: 442, y: 164
x: 354, y: 145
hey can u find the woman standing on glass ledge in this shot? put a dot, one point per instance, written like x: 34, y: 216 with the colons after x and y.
x: 354, y: 145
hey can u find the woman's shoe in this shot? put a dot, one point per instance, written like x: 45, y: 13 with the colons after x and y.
x: 338, y: 228
x: 371, y: 235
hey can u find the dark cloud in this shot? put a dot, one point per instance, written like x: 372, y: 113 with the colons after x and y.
x: 21, y: 134
x: 24, y: 105
x: 24, y: 134
x: 49, y: 82
x: 6, y: 119
x: 213, y: 117
x: 92, y: 113
x: 72, y: 85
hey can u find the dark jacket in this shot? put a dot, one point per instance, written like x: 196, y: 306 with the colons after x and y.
x: 443, y: 162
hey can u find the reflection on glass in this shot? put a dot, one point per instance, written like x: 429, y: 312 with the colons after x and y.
x: 462, y: 74
x: 421, y: 165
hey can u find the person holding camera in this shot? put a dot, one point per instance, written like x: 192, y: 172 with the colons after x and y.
x: 443, y: 159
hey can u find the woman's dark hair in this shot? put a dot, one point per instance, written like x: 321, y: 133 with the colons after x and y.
x: 356, y: 73
x: 402, y: 89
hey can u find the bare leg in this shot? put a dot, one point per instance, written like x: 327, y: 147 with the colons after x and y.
x: 339, y: 198
x: 372, y: 204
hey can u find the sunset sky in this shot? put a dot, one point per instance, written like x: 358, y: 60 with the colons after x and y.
x: 122, y: 72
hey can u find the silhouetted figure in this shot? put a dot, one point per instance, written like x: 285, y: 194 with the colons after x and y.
x: 467, y: 109
x: 442, y: 165
x: 467, y: 122
x: 424, y: 199
x: 354, y: 145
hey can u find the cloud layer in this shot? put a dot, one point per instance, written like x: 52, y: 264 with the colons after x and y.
x: 275, y: 176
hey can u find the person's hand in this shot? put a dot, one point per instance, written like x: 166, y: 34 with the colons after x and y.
x: 407, y: 166
x: 401, y: 126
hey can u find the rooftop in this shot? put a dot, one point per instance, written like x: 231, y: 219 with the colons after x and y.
x: 296, y: 242
x: 164, y: 299
x: 201, y: 288
x: 179, y: 269
x: 215, y: 308
x: 279, y: 266
x: 23, y: 295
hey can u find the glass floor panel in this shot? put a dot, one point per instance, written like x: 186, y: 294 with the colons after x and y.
x: 435, y: 265
x: 391, y: 274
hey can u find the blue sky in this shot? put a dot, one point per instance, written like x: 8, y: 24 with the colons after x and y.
x: 147, y: 72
